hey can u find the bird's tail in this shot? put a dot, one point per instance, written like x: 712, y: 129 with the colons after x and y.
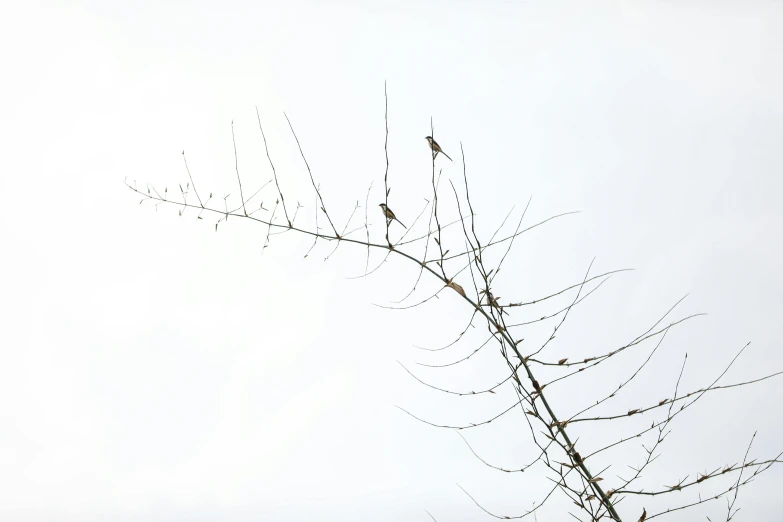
x: 400, y: 222
x: 447, y: 156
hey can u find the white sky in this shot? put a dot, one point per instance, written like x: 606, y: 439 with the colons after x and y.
x: 152, y: 369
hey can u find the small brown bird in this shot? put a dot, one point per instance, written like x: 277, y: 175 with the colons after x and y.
x: 390, y: 215
x: 436, y: 148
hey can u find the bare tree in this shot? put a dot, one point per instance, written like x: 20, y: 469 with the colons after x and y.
x: 451, y: 251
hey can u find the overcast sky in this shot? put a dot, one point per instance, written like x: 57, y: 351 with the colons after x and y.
x: 152, y: 368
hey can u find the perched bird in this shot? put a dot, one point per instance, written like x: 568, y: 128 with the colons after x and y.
x: 436, y: 148
x: 390, y: 215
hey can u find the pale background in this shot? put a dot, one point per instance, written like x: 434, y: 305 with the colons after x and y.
x: 153, y: 369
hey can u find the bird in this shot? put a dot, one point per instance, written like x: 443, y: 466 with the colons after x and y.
x: 436, y: 148
x: 390, y: 215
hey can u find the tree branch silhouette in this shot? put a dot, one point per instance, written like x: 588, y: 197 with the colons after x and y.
x: 459, y: 252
